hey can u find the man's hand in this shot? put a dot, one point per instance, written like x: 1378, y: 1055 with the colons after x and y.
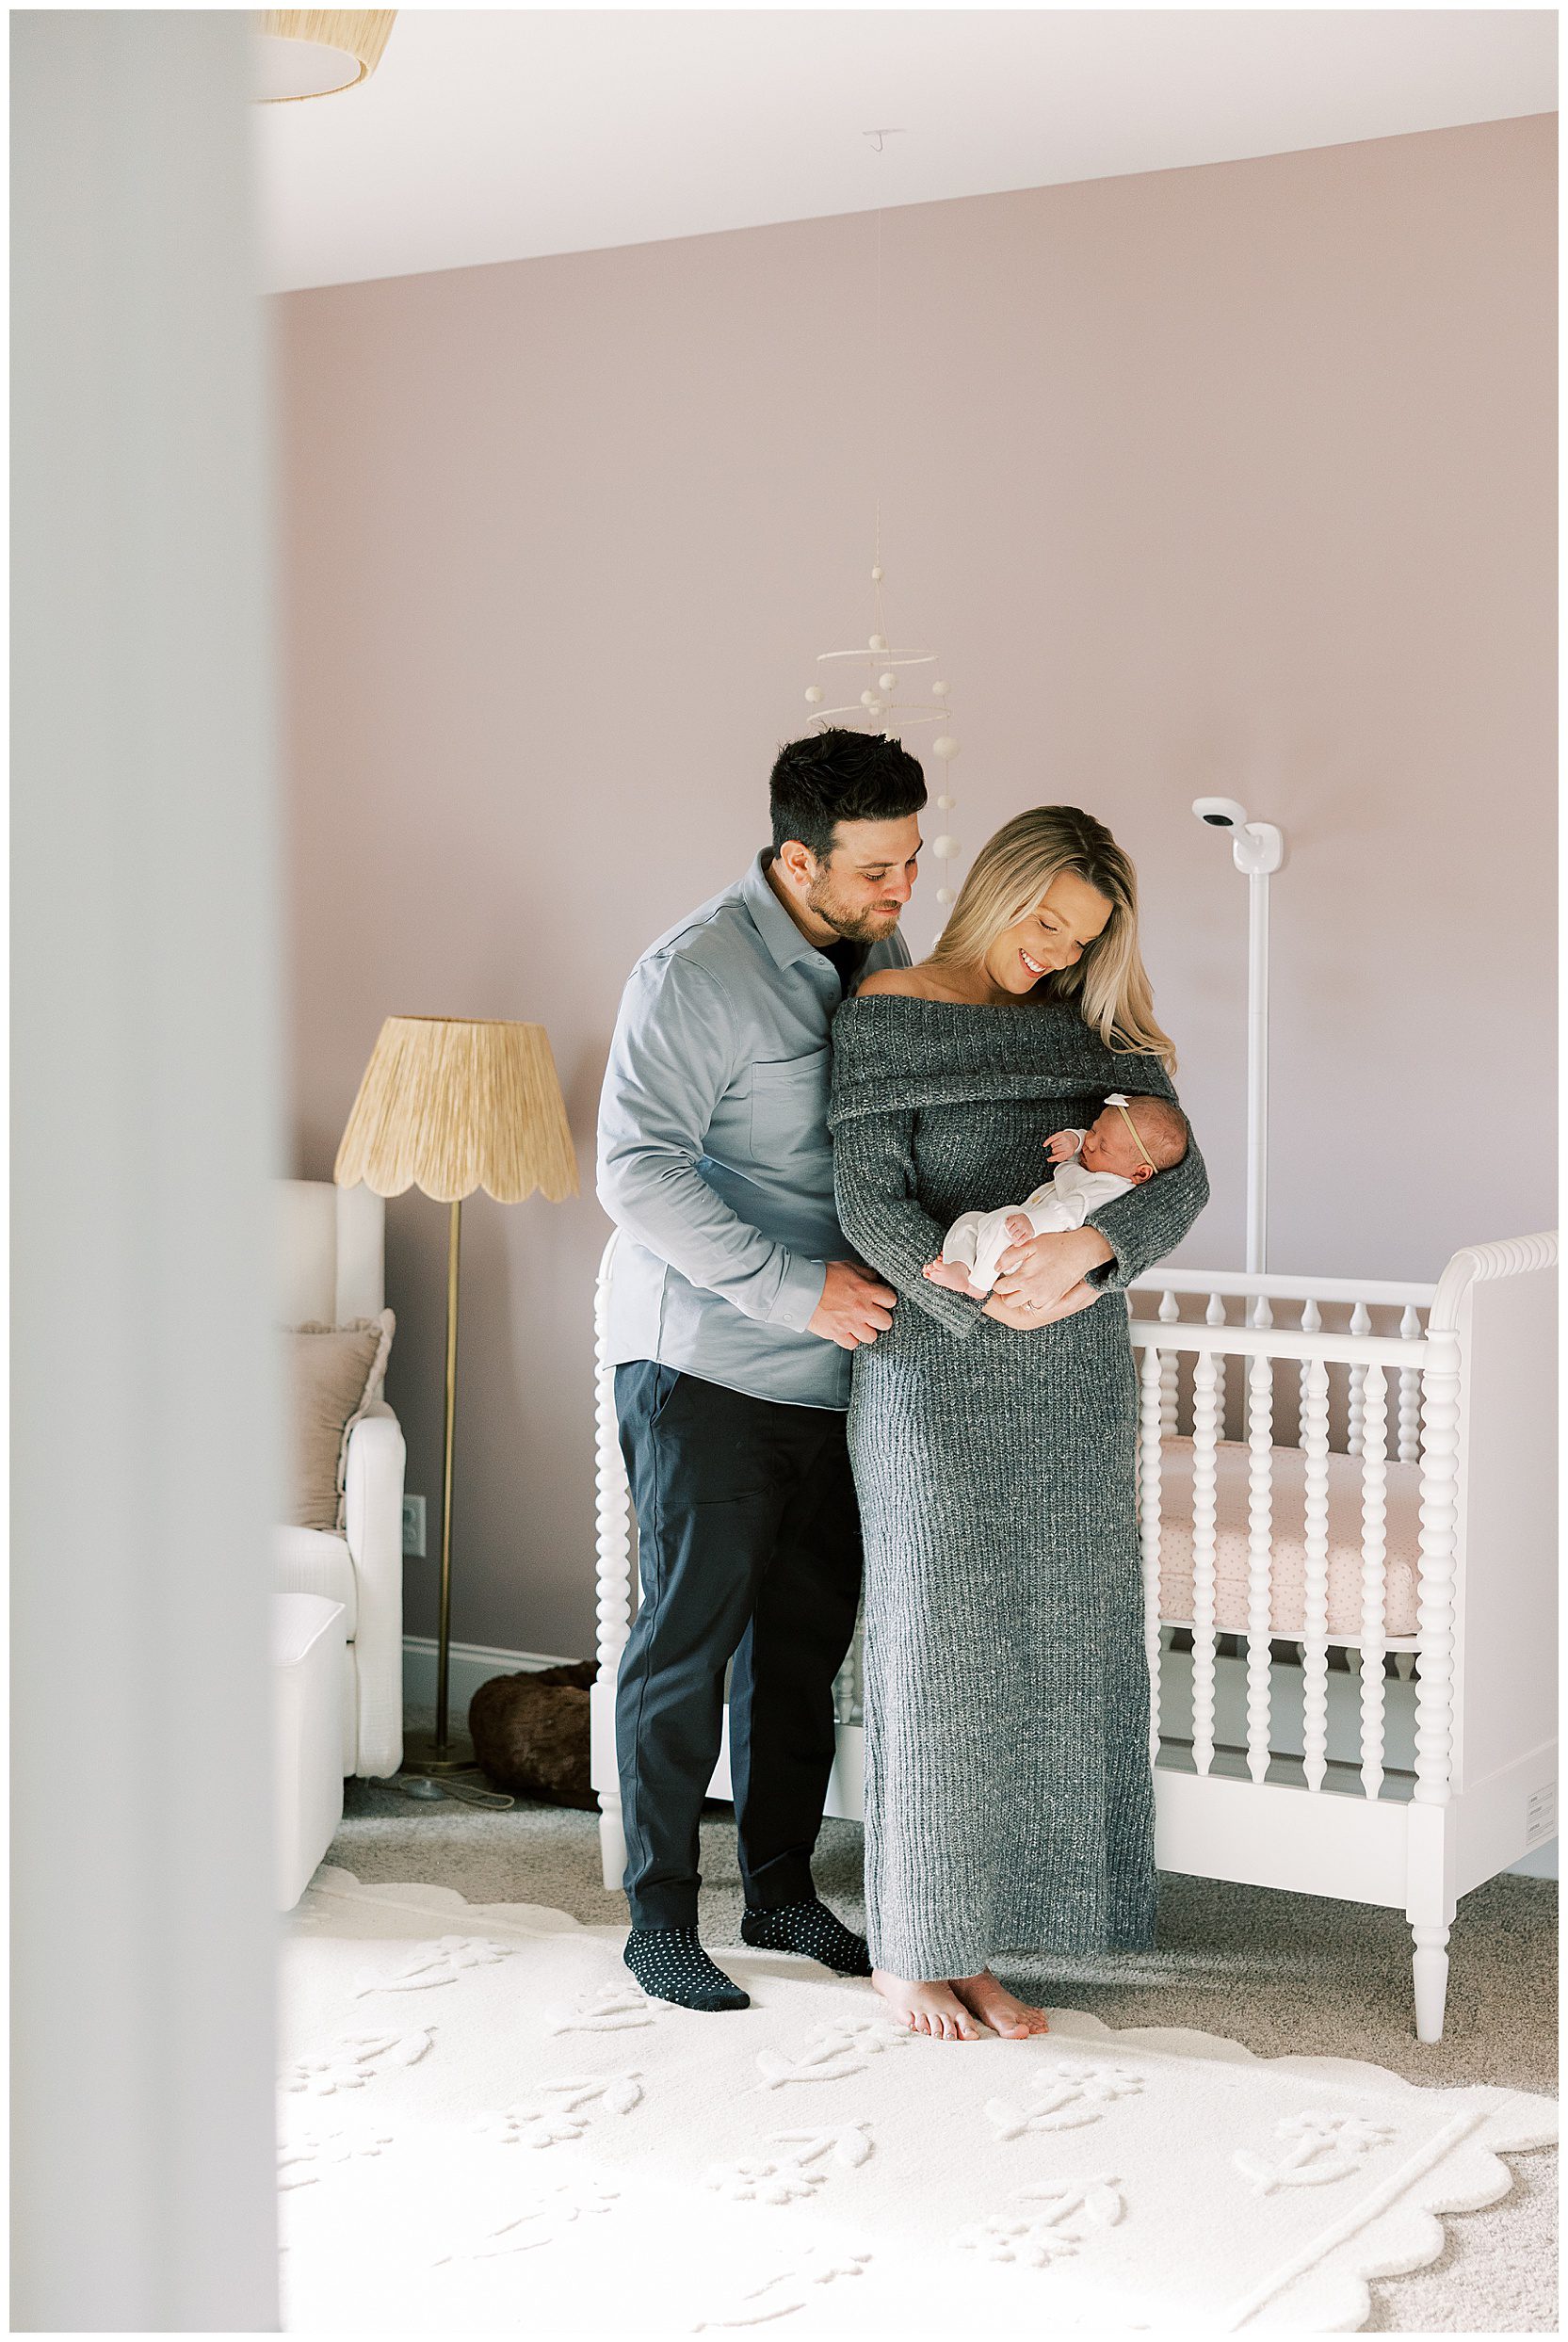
x: 1048, y: 1266
x: 855, y: 1306
x: 1023, y: 1320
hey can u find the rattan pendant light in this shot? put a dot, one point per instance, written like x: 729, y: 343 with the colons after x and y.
x: 452, y: 1105
x: 313, y: 53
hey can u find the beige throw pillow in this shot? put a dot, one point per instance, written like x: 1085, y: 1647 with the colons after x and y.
x: 336, y: 1375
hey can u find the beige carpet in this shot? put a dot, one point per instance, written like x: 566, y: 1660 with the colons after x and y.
x: 1283, y: 1975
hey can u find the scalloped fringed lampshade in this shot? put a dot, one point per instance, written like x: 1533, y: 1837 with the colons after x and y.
x: 449, y: 1104
x: 314, y: 52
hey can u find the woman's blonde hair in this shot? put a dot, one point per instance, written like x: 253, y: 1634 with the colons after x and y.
x: 1109, y: 984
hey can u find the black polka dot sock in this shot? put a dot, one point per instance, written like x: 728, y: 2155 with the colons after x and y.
x: 670, y: 1965
x: 808, y: 1928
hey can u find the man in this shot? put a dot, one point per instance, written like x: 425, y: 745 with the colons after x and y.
x: 735, y: 1315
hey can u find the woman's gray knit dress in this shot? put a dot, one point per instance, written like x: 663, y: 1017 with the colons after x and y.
x: 1009, y: 1799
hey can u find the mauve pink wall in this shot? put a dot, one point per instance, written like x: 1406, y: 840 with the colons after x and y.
x: 1235, y: 479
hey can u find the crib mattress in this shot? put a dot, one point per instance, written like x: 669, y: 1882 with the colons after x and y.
x: 1289, y: 1574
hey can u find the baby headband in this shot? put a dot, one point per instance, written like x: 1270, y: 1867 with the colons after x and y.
x: 1119, y: 1101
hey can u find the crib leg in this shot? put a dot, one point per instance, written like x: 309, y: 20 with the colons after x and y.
x: 1429, y: 1965
x: 612, y: 1841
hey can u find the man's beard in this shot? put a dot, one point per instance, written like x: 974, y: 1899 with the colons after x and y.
x: 854, y: 927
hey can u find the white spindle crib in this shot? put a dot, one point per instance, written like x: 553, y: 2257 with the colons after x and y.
x: 1387, y: 1502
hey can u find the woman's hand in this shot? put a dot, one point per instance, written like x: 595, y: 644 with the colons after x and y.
x: 1046, y: 1267
x: 1023, y: 1320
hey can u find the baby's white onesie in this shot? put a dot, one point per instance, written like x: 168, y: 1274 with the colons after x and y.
x: 978, y: 1239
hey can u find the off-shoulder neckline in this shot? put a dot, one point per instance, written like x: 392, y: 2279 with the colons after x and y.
x: 979, y: 1008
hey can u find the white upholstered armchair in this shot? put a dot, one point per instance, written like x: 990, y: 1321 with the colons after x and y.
x: 333, y: 1271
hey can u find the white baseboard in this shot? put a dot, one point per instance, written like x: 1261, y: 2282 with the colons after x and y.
x: 469, y: 1665
x: 1540, y: 1863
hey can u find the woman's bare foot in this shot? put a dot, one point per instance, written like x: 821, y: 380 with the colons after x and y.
x: 933, y: 2008
x: 1014, y: 2019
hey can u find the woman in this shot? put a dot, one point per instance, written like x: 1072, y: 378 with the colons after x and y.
x: 1009, y: 1803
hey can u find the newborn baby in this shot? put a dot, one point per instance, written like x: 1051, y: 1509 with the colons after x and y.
x: 1132, y: 1139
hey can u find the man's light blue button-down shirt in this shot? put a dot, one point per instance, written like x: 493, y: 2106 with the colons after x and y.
x: 714, y: 1155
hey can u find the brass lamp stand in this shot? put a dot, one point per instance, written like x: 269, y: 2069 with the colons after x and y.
x: 428, y: 1755
x: 451, y: 1105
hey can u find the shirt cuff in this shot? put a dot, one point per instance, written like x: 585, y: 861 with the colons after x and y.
x: 801, y: 1291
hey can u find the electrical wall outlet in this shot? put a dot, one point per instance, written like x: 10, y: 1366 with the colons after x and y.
x: 413, y: 1525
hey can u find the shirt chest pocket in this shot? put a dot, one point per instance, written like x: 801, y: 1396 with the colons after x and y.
x: 789, y: 1107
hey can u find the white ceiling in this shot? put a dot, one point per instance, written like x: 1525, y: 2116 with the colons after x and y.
x: 501, y: 134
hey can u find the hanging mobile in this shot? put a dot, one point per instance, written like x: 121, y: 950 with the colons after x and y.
x: 879, y: 707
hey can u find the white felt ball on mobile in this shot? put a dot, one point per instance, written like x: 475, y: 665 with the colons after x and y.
x: 868, y: 699
x: 878, y: 642
x: 946, y: 803
x: 944, y: 748
x: 887, y: 683
x: 946, y: 847
x: 877, y: 575
x: 944, y: 894
x: 938, y: 690
x: 814, y: 692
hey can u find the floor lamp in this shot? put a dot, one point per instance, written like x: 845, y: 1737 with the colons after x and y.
x: 449, y: 1104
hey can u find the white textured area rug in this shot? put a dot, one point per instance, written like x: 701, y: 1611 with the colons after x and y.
x: 485, y: 2126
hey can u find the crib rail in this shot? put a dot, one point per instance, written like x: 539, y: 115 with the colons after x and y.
x: 1402, y: 1395
x: 1400, y: 1351
x: 1352, y: 1300
x: 1230, y: 1282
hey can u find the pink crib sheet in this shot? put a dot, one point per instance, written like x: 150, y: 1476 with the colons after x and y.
x: 1287, y: 1578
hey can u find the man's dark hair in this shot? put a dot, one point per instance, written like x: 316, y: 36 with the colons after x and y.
x: 835, y: 776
